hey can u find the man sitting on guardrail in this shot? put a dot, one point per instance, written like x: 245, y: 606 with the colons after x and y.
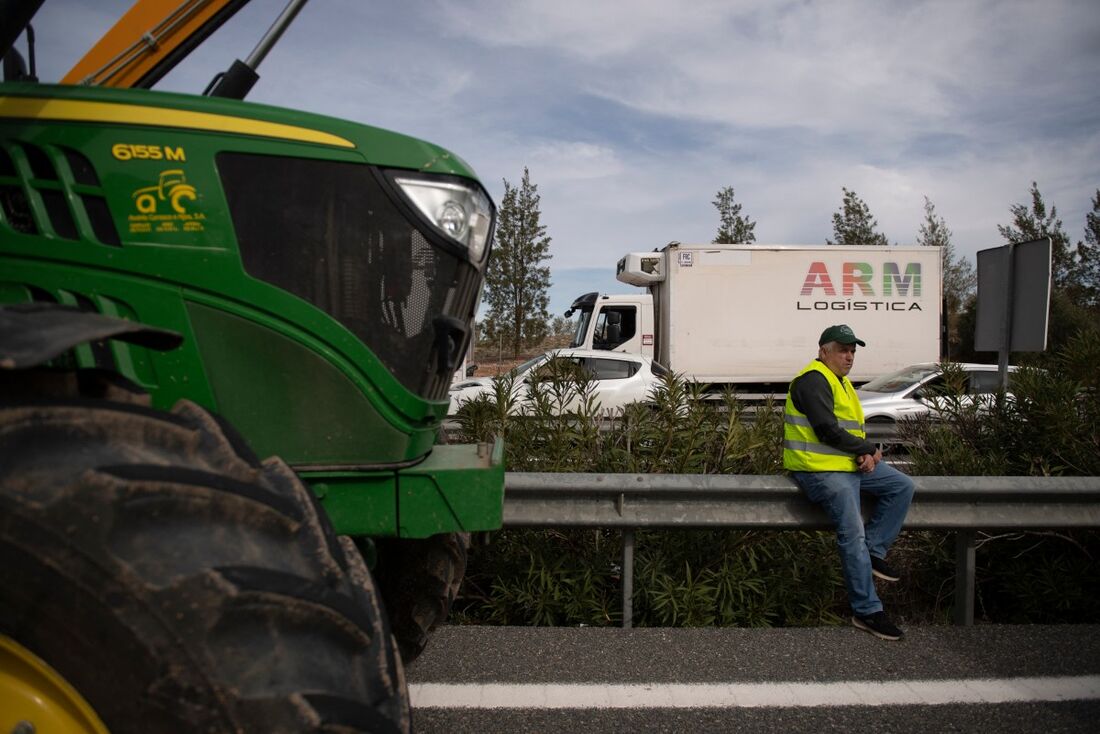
x: 825, y: 448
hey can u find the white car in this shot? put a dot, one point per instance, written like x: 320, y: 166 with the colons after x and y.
x: 914, y: 390
x: 618, y: 378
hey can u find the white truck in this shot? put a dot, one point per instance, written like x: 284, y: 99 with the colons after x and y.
x: 749, y: 316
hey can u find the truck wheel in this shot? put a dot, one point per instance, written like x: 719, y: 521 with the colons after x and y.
x: 419, y: 579
x: 178, y: 584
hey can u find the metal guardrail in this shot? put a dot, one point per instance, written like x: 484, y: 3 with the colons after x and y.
x: 630, y: 501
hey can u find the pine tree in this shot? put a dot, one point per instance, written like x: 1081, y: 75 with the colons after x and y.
x: 1069, y: 308
x: 734, y: 228
x: 1088, y: 257
x: 1033, y: 223
x: 959, y: 278
x: 854, y: 225
x: 516, y: 280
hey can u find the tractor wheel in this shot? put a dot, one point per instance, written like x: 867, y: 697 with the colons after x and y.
x: 419, y: 579
x: 177, y: 584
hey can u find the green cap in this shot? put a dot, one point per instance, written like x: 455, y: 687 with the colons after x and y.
x: 841, y: 334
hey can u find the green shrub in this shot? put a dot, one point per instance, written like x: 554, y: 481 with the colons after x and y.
x: 685, y: 578
x: 1048, y: 426
x: 543, y: 577
x: 681, y: 431
x: 742, y: 579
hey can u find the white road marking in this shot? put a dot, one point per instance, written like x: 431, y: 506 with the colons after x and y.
x: 751, y: 695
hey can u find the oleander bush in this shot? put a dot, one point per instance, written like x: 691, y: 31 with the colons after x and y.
x: 1050, y: 425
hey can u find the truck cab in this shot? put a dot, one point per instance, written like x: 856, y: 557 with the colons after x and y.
x: 617, y: 323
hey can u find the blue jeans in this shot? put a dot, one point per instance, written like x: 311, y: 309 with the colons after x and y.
x: 838, y: 492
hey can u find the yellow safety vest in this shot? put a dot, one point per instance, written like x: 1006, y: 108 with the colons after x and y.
x: 802, y: 451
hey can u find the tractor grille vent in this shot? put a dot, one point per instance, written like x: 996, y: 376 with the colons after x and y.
x: 53, y: 191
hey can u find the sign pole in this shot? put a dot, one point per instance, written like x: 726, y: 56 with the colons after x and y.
x: 1006, y: 324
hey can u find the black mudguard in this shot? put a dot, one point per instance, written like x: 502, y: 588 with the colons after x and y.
x: 34, y: 333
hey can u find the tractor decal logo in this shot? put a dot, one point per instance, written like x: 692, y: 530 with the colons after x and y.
x: 166, y: 206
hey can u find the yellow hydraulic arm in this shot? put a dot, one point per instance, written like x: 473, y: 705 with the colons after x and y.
x: 149, y: 40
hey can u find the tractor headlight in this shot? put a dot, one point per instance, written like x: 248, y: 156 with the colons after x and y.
x: 462, y: 212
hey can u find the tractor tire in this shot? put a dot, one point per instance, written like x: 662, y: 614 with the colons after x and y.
x: 180, y: 585
x: 419, y: 579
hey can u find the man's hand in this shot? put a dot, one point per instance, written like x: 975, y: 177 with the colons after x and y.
x: 867, y: 462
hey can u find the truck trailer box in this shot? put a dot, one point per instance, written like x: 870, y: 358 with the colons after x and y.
x: 739, y: 314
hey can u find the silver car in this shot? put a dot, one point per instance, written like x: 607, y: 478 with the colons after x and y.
x: 914, y: 391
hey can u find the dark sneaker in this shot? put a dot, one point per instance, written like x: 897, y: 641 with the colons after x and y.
x: 879, y: 625
x: 882, y: 569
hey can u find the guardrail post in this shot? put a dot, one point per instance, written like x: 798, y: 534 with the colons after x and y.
x: 628, y: 578
x: 964, y: 578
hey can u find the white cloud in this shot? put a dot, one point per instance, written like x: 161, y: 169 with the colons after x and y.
x: 565, y: 163
x: 885, y: 70
x: 588, y: 29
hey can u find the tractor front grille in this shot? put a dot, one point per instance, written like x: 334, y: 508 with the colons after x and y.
x: 329, y: 233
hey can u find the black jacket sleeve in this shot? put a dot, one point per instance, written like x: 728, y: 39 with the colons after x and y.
x: 812, y: 395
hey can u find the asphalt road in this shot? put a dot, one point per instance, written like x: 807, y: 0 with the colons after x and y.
x: 788, y: 680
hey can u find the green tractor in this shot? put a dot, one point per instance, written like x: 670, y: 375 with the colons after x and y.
x: 188, y: 283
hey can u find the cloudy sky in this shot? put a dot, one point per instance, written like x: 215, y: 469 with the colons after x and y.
x: 630, y: 116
